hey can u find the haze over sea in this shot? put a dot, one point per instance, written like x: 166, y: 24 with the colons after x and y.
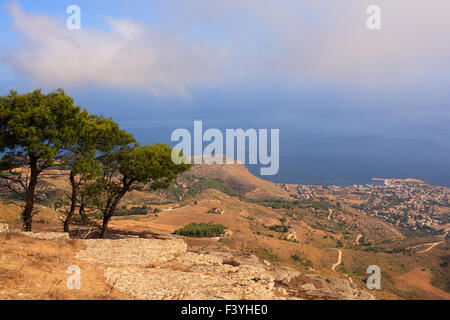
x: 326, y: 138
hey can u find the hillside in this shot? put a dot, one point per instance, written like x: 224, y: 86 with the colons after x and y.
x: 305, y: 234
x: 237, y: 177
x: 152, y: 269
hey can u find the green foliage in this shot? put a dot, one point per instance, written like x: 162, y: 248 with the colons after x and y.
x: 201, y: 230
x: 40, y: 131
x: 196, y: 186
x: 129, y: 218
x: 372, y: 249
x: 136, y: 210
x: 398, y: 250
x: 303, y: 261
x: 150, y: 165
x: 36, y: 130
x: 38, y: 125
x: 279, y: 228
x: 131, y: 167
x: 143, y: 165
x: 295, y: 257
x: 264, y: 254
x: 97, y: 138
x: 292, y: 204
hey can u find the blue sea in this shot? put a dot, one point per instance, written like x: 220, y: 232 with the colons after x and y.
x: 337, y: 138
x: 346, y: 160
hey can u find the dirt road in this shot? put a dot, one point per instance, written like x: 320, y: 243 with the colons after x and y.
x: 339, y: 260
x: 431, y: 247
x: 338, y: 263
x: 330, y: 213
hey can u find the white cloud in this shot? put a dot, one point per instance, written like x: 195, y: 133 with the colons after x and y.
x: 301, y: 42
x: 326, y: 41
x: 129, y: 55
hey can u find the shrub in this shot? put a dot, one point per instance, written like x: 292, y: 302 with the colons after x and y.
x: 201, y: 230
x: 135, y: 210
x: 279, y: 228
x: 295, y: 257
x: 303, y: 261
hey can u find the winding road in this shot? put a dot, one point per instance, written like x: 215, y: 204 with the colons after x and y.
x: 431, y: 246
x: 338, y: 263
x: 339, y: 260
x: 330, y: 213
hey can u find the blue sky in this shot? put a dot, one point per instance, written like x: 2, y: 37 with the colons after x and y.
x: 350, y: 103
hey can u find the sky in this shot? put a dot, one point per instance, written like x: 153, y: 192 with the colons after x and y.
x: 351, y: 103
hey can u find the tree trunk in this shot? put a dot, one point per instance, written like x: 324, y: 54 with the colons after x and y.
x: 110, y: 212
x: 73, y: 203
x: 106, y: 219
x: 82, y: 213
x: 27, y: 213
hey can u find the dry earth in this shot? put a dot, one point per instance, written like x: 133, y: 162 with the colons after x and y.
x: 166, y: 269
x: 419, y: 280
x: 36, y: 268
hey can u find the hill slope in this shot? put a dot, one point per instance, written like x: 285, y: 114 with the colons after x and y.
x: 237, y: 177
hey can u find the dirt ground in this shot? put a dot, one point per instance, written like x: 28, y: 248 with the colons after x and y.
x: 37, y: 269
x: 171, y: 220
x: 420, y: 279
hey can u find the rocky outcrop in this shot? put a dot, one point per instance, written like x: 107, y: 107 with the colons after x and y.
x: 227, y: 233
x: 292, y: 236
x: 4, y: 227
x: 312, y: 286
x: 166, y: 269
x: 46, y: 235
x: 132, y: 252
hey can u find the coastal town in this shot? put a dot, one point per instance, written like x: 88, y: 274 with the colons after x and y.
x: 408, y: 203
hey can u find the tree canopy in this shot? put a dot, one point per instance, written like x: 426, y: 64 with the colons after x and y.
x: 39, y: 131
x: 98, y: 138
x: 35, y: 128
x: 131, y: 168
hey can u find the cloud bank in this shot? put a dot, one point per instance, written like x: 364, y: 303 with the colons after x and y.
x: 298, y: 42
x: 128, y: 55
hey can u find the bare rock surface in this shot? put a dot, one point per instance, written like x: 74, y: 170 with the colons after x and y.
x: 313, y: 286
x: 46, y: 235
x: 133, y: 251
x: 4, y: 227
x: 165, y: 269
